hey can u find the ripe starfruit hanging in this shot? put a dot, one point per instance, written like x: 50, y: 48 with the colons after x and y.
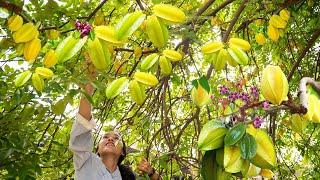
x: 260, y: 39
x: 274, y: 84
x: 266, y: 153
x: 200, y: 96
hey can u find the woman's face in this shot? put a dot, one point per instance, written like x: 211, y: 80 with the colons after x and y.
x: 110, y: 143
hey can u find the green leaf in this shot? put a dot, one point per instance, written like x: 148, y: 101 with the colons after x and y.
x: 248, y: 147
x: 88, y: 97
x: 234, y: 134
x: 195, y: 83
x: 59, y: 107
x: 204, y: 83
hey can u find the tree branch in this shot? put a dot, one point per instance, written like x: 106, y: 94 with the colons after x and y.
x: 11, y: 7
x: 96, y: 10
x: 140, y: 4
x: 310, y: 43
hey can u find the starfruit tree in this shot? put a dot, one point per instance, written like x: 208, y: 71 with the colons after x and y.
x: 221, y: 89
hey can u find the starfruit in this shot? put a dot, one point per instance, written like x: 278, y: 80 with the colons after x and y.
x: 250, y: 170
x: 298, y: 123
x: 232, y: 62
x: 15, y: 22
x: 172, y: 55
x: 165, y: 65
x: 238, y: 55
x: 277, y: 22
x: 99, y: 57
x: 212, y: 135
x: 284, y: 14
x: 208, y: 165
x: 53, y: 34
x: 210, y: 169
x: 200, y: 96
x: 69, y: 47
x: 107, y: 33
x: 232, y: 160
x: 44, y: 72
x: 274, y: 84
x: 212, y: 47
x: 316, y: 115
x: 146, y: 78
x: 240, y: 43
x: 149, y: 61
x: 50, y: 59
x: 156, y: 31
x: 273, y: 33
x: 169, y: 13
x: 129, y: 24
x: 261, y: 40
x: 210, y: 58
x: 313, y: 113
x: 137, y: 92
x: 266, y: 173
x: 116, y: 87
x: 26, y: 33
x: 31, y: 50
x: 221, y: 60
x: 22, y: 78
x: 37, y: 82
x: 266, y: 154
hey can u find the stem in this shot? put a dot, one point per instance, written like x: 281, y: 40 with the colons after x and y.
x: 310, y: 43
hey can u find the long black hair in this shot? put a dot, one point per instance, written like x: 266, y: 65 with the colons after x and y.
x: 125, y: 171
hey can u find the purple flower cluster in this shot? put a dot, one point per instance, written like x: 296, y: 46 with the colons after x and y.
x: 233, y: 96
x: 83, y: 27
x: 224, y: 89
x: 257, y: 122
x: 244, y: 97
x: 254, y: 91
x: 265, y: 105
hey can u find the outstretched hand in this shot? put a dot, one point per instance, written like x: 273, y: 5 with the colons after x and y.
x: 145, y: 167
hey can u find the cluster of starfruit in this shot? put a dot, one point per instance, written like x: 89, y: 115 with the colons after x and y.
x: 164, y: 60
x: 242, y: 151
x: 137, y: 86
x: 37, y: 77
x: 26, y: 36
x: 277, y: 24
x: 219, y: 54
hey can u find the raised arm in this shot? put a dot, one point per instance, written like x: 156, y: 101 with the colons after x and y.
x: 85, y: 106
x: 81, y: 140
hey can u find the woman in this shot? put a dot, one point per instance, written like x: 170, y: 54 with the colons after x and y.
x: 106, y: 165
